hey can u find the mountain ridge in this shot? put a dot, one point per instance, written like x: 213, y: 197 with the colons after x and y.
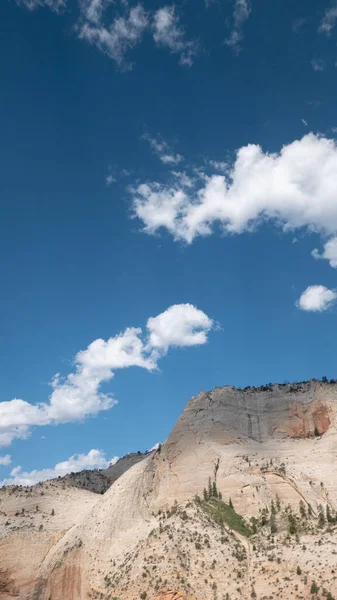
x: 169, y: 527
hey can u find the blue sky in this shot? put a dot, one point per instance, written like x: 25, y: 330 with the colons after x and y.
x: 154, y: 156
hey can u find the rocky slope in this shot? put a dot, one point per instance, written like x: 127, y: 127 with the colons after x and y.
x: 98, y: 481
x: 240, y: 502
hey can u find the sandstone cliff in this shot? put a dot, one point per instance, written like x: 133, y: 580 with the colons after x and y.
x: 268, y: 452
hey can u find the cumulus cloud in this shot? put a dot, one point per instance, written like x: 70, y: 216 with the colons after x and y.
x: 329, y: 20
x: 5, y: 460
x: 191, y: 327
x: 295, y: 188
x: 242, y: 10
x: 168, y: 33
x: 115, y: 39
x: 162, y: 150
x: 317, y: 298
x: 54, y: 5
x: 78, y: 395
x: 95, y: 459
x: 329, y: 252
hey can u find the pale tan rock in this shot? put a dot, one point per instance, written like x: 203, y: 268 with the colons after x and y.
x: 260, y: 446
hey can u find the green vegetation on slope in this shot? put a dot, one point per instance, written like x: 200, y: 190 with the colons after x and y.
x: 224, y: 514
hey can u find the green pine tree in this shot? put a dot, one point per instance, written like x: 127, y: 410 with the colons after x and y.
x: 303, y: 512
x: 314, y: 588
x: 214, y: 490
x: 321, y: 518
x: 273, y: 526
x: 292, y: 525
x: 209, y: 488
x: 329, y: 516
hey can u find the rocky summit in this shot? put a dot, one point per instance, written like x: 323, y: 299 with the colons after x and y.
x: 239, y: 502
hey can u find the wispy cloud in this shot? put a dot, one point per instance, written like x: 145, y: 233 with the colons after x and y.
x: 219, y: 165
x: 299, y: 23
x: 318, y: 64
x: 79, y: 395
x: 316, y: 298
x: 54, y: 5
x: 117, y: 38
x: 115, y: 33
x: 93, y: 9
x: 162, y: 150
x: 242, y: 11
x: 110, y: 179
x: 314, y: 103
x: 329, y: 20
x: 167, y: 32
x: 95, y: 459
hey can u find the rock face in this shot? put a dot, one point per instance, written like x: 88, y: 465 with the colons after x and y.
x: 277, y: 411
x: 147, y: 536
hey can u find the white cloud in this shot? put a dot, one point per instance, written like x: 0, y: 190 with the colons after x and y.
x: 95, y: 459
x: 78, y: 395
x: 54, y: 5
x: 191, y: 327
x: 93, y: 9
x: 5, y: 460
x: 318, y: 64
x: 110, y: 179
x: 184, y: 179
x: 115, y: 35
x: 114, y: 40
x: 168, y: 33
x: 295, y: 188
x: 219, y: 165
x: 329, y: 20
x: 242, y: 10
x: 317, y: 298
x: 162, y: 150
x: 329, y: 252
